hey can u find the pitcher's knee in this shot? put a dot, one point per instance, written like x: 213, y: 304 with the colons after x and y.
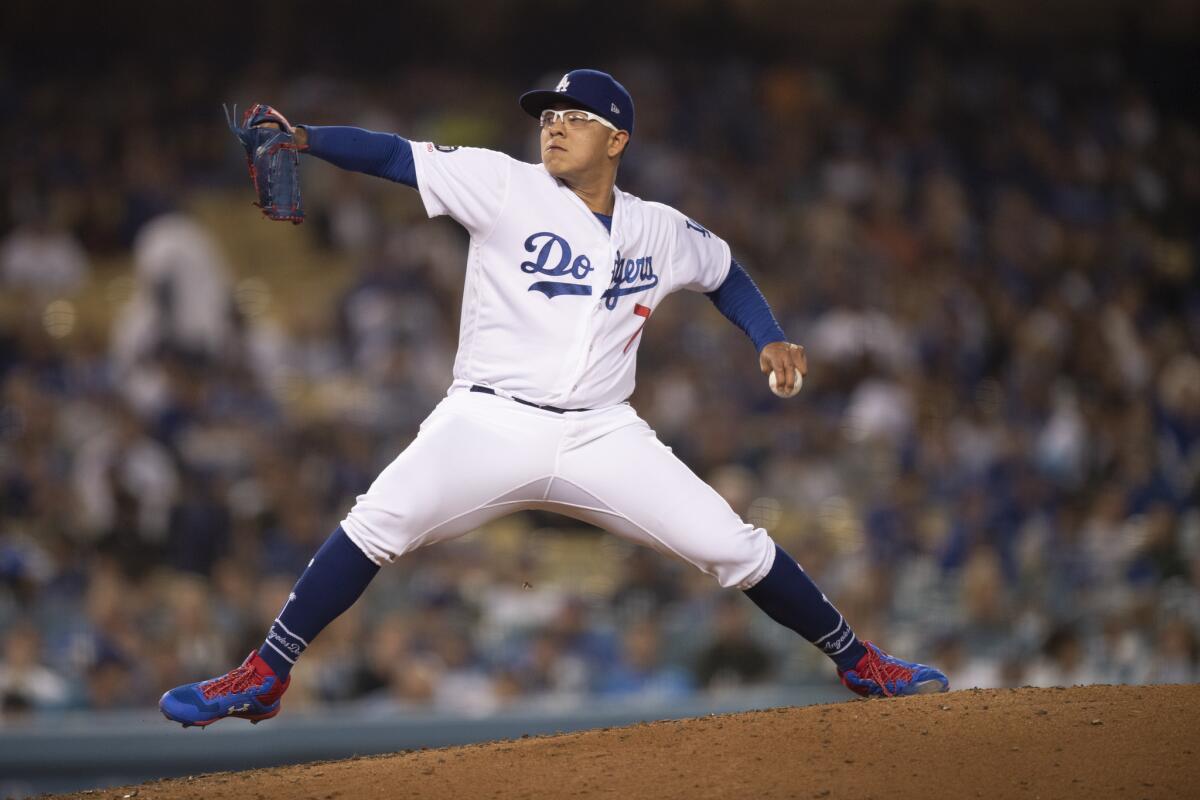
x: 383, y: 534
x: 747, y: 563
x: 372, y: 545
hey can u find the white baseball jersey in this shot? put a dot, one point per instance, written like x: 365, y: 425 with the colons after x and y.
x: 552, y: 311
x: 553, y: 303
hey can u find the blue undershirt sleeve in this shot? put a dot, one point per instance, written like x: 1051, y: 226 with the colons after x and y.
x: 384, y: 155
x: 740, y: 300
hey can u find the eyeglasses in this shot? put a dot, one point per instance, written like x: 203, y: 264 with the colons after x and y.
x: 573, y: 118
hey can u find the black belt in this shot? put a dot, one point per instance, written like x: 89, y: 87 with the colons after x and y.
x: 555, y: 409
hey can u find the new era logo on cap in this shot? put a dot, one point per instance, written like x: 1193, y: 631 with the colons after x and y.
x: 589, y: 90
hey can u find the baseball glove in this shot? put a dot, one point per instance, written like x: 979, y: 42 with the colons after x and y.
x: 274, y: 161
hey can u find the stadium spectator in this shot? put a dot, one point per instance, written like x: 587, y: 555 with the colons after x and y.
x: 26, y: 684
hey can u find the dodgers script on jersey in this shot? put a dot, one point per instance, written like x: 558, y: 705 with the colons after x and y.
x: 554, y: 304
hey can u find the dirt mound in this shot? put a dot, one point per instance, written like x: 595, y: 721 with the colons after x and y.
x: 1094, y: 742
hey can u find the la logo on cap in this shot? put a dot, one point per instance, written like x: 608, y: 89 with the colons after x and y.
x: 564, y: 83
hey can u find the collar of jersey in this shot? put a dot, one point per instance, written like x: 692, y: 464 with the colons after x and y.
x: 616, y: 215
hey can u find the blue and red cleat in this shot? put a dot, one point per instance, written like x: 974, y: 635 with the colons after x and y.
x: 879, y: 675
x: 251, y: 691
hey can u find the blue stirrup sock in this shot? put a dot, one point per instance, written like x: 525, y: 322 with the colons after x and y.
x: 791, y: 598
x: 334, y: 579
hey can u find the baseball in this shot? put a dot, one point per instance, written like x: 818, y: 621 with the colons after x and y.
x: 795, y: 388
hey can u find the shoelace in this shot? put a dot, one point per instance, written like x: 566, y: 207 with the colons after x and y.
x: 881, y: 671
x: 232, y: 682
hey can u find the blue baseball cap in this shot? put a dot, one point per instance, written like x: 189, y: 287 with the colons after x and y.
x: 590, y: 90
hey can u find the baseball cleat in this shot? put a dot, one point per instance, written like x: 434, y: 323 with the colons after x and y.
x: 251, y: 691
x: 878, y: 674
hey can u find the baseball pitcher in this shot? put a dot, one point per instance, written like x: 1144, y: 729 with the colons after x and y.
x: 564, y: 270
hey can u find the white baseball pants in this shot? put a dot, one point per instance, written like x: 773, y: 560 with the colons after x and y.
x: 478, y: 457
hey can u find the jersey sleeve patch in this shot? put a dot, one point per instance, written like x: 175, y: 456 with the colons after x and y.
x: 470, y: 186
x: 701, y: 258
x: 696, y: 226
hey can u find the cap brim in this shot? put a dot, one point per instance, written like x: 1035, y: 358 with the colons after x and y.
x: 539, y: 100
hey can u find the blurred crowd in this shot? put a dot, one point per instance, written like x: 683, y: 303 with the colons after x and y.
x: 994, y: 464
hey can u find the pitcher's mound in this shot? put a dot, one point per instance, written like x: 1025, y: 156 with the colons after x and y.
x: 1123, y: 742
